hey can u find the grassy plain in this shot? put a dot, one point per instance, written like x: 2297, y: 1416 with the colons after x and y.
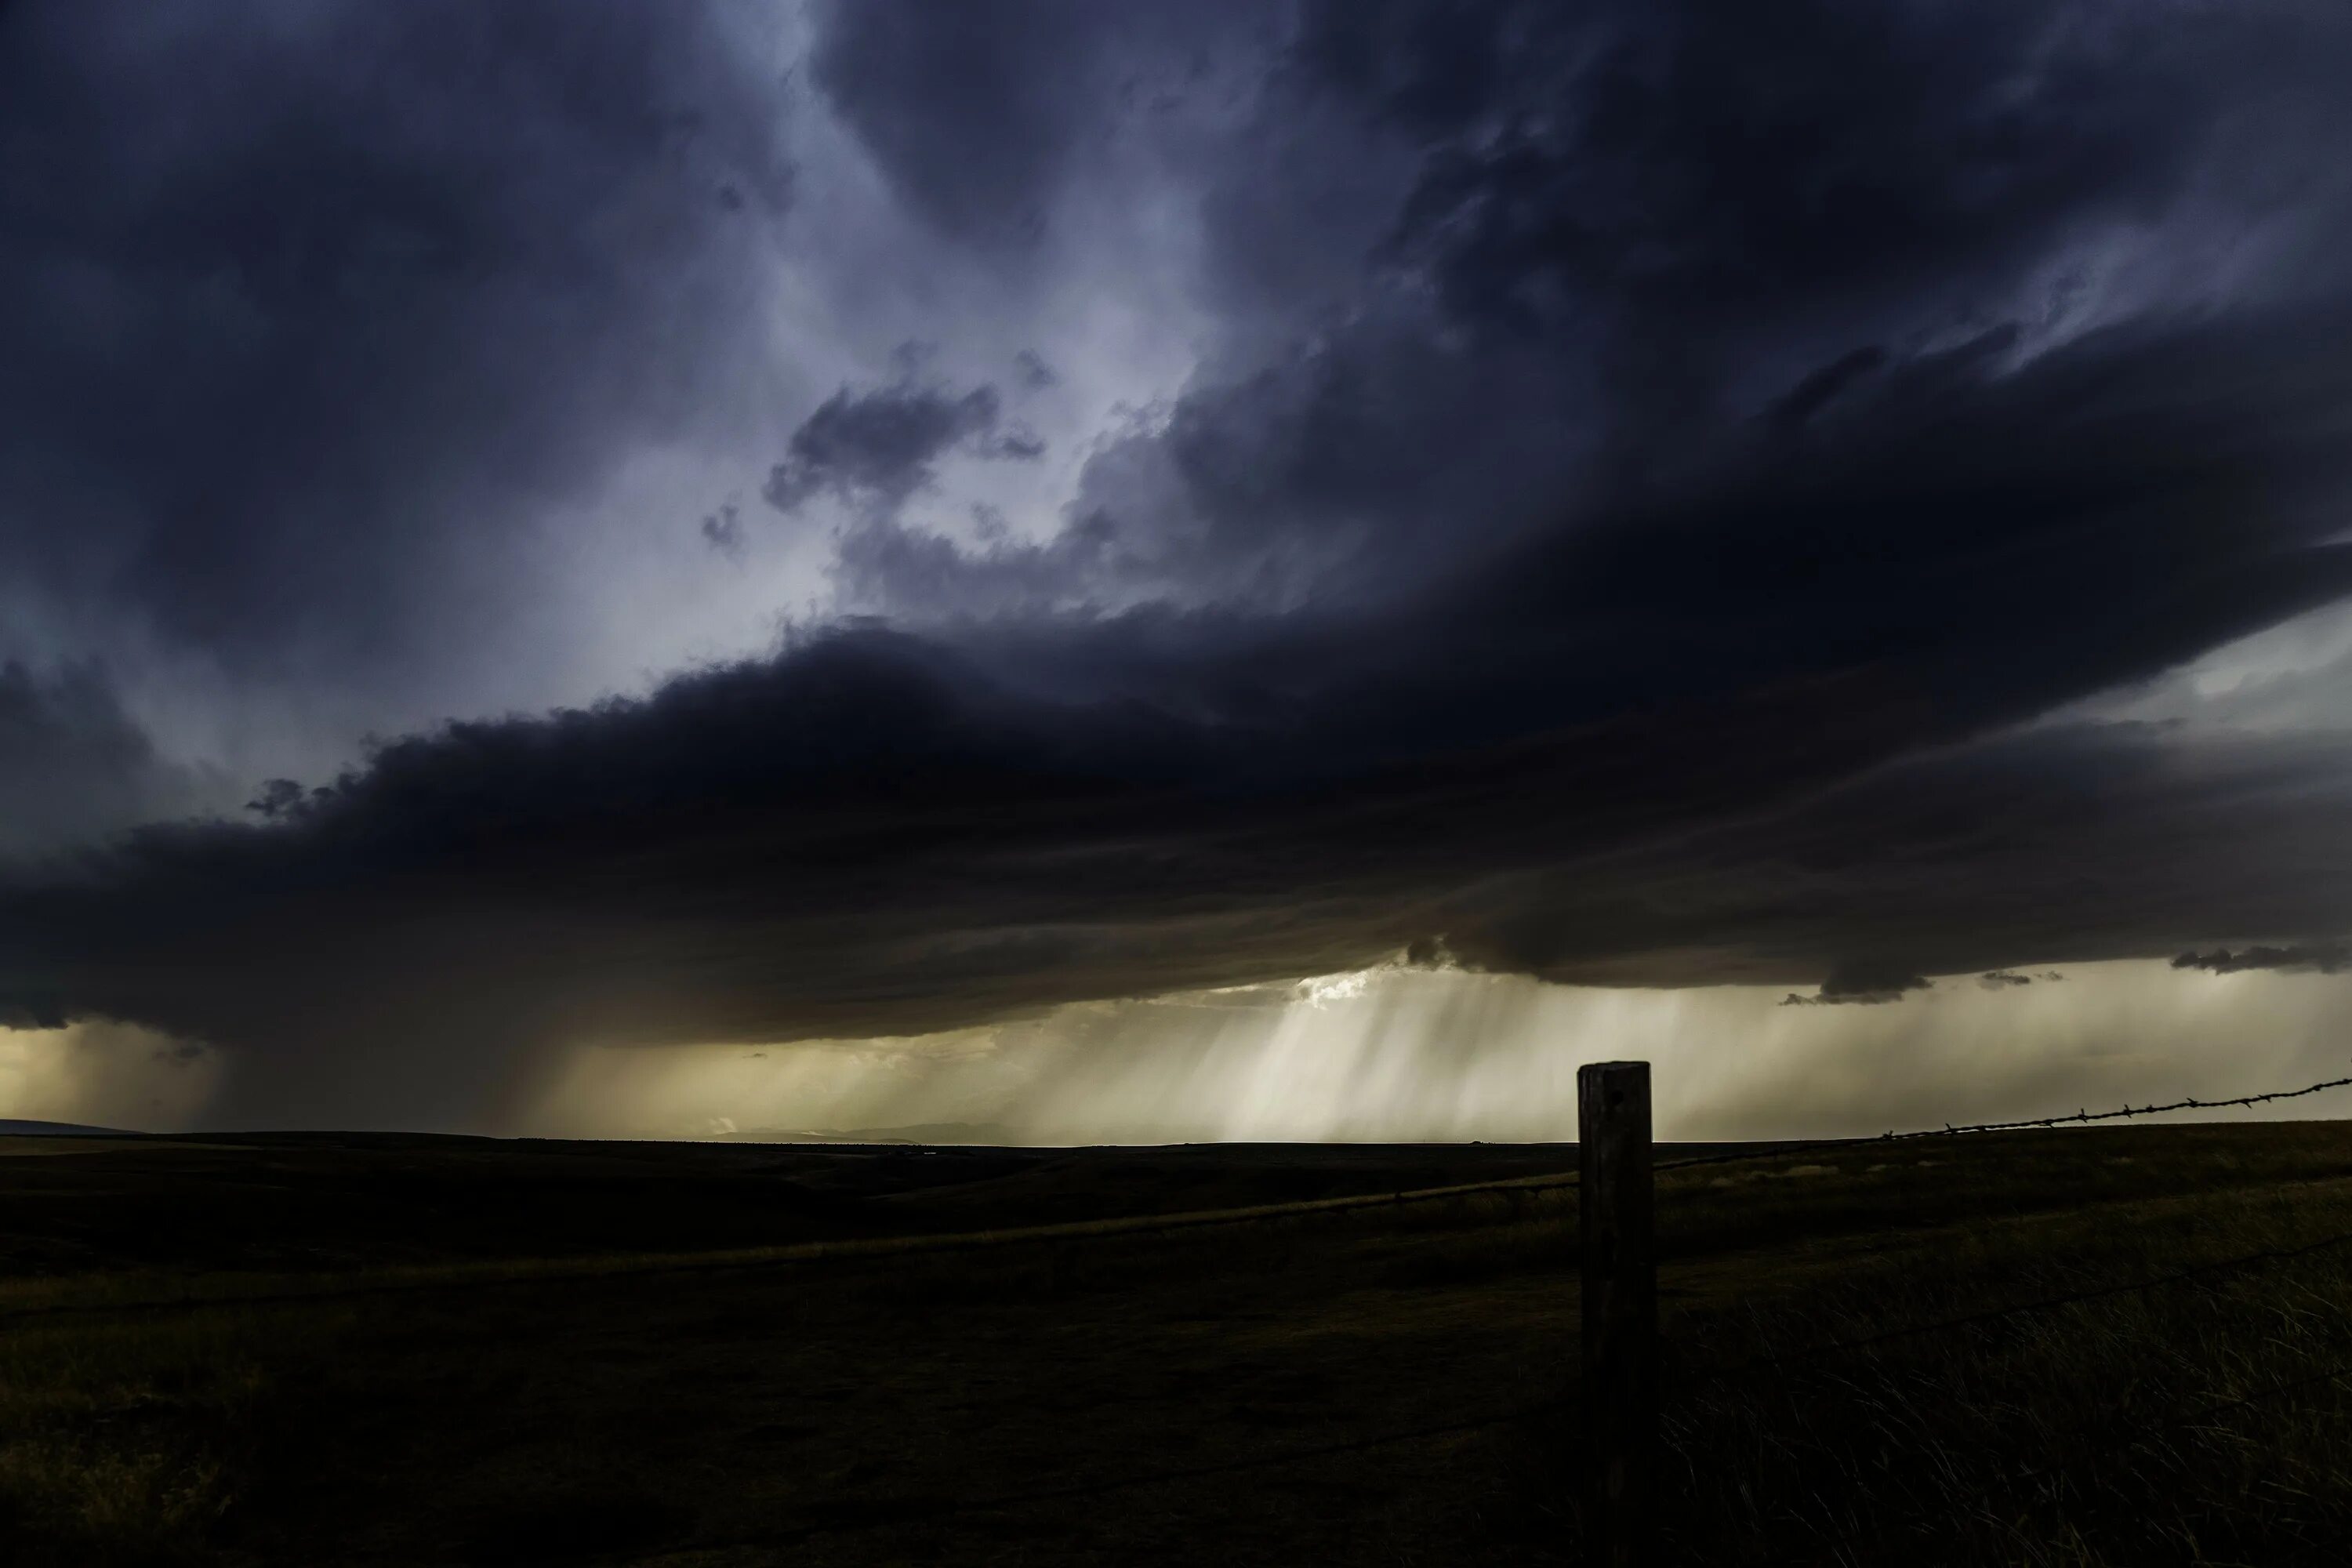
x: 379, y: 1350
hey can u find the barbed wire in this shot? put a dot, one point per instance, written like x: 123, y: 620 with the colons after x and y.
x: 858, y: 1514
x: 882, y: 1513
x: 559, y: 1270
x: 1949, y: 1129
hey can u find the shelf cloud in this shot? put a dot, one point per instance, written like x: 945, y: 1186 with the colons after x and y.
x: 1646, y: 495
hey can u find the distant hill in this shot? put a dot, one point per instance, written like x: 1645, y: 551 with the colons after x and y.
x: 949, y: 1133
x: 9, y: 1129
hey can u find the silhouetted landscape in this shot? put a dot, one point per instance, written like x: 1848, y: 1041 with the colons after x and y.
x: 396, y: 1350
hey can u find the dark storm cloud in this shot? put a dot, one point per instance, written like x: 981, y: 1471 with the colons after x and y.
x: 1710, y: 158
x: 972, y: 108
x: 1744, y: 423
x: 75, y: 765
x: 877, y: 448
x: 883, y: 832
x: 2329, y: 958
x: 1713, y: 188
x: 1035, y: 373
x: 978, y: 111
x: 305, y: 303
x: 1862, y: 980
x: 1821, y: 387
x: 2003, y: 980
x: 2083, y: 843
x: 723, y: 530
x: 1629, y: 238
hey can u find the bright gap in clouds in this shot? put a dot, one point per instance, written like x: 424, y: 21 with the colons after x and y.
x: 1417, y: 1055
x: 105, y: 1075
x: 1380, y: 1055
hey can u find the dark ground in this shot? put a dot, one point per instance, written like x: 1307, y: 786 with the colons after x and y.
x: 428, y: 1349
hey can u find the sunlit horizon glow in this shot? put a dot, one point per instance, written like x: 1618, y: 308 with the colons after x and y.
x: 106, y: 1075
x: 1392, y: 1054
x: 1397, y: 1053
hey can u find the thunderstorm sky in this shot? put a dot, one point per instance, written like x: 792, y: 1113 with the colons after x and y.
x: 1256, y: 568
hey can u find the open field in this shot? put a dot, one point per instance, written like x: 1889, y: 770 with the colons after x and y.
x: 386, y: 1350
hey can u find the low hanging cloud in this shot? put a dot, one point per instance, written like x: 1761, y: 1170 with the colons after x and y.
x: 876, y: 449
x: 2325, y: 958
x: 1864, y: 983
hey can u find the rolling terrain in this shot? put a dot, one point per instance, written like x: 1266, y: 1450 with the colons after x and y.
x: 2113, y: 1345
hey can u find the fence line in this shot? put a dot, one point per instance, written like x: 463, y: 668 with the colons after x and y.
x: 909, y: 1511
x: 884, y: 1513
x: 462, y: 1276
x: 2078, y: 1118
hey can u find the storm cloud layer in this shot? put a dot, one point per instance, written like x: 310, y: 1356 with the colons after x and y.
x: 1663, y: 495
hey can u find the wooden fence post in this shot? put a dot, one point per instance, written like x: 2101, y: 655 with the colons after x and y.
x: 1620, y: 1308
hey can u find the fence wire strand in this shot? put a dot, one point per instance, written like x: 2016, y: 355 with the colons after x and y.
x: 1949, y: 1129
x: 553, y: 1271
x: 884, y: 1513
x: 858, y: 1514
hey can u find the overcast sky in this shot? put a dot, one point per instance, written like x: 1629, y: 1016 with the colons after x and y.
x: 559, y: 526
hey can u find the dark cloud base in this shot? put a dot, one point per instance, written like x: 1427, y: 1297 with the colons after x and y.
x: 880, y: 833
x: 1864, y: 980
x: 1636, y: 551
x: 2328, y: 958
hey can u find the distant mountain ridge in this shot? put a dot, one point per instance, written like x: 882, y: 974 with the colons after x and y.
x: 14, y: 1128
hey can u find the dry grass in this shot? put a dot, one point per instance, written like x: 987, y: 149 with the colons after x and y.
x: 2193, y: 1422
x: 838, y: 1411
x: 130, y: 1443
